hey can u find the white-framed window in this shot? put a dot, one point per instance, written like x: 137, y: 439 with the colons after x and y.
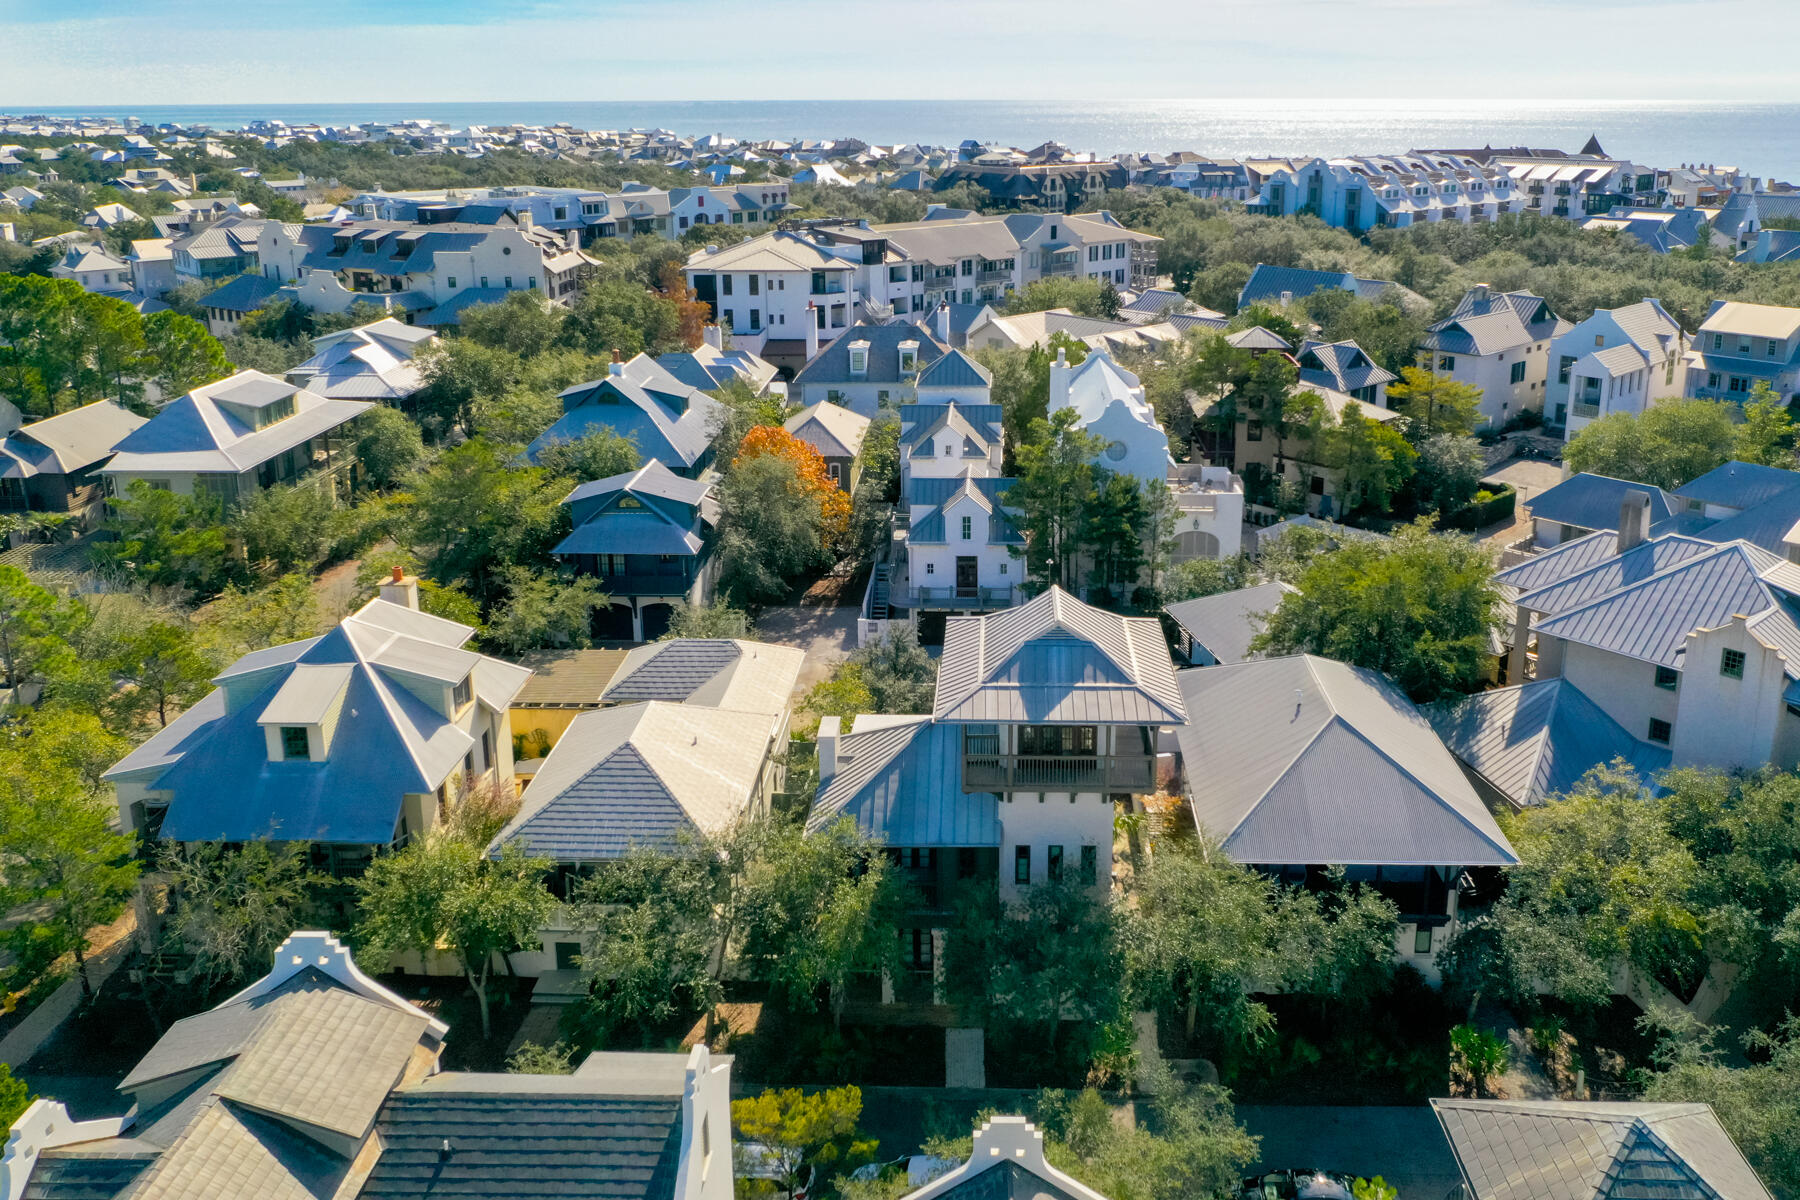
x: 968, y: 528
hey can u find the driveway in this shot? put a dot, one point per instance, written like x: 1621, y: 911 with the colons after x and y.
x: 1405, y: 1146
x: 1530, y: 478
x: 826, y: 633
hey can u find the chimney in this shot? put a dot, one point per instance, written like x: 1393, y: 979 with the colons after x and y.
x: 812, y: 330
x: 526, y: 220
x: 830, y: 729
x: 711, y: 336
x: 402, y: 589
x: 574, y: 240
x: 1634, y: 519
x: 1287, y: 298
x: 617, y: 366
x: 1060, y: 373
x: 943, y: 322
x: 1480, y: 293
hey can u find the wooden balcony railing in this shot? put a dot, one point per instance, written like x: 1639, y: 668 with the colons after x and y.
x: 1050, y: 773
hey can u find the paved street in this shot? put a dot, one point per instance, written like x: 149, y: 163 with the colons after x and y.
x: 1405, y: 1146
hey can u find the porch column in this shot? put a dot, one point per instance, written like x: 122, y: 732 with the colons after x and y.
x: 637, y: 620
x: 1516, y: 661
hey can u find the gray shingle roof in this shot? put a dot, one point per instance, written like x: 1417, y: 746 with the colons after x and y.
x: 1055, y: 659
x: 1266, y: 283
x: 1226, y: 622
x: 1568, y: 1150
x: 558, y: 1140
x: 639, y: 775
x: 1488, y: 322
x: 1538, y: 739
x: 901, y: 781
x: 1304, y: 760
x: 1340, y: 365
x: 716, y: 672
x: 833, y: 362
x: 831, y: 429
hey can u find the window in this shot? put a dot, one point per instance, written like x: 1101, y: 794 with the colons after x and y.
x: 1447, y: 363
x: 1253, y: 430
x: 568, y: 956
x: 896, y: 274
x: 1090, y: 864
x: 1712, y: 379
x: 509, y: 283
x: 294, y: 743
x: 755, y: 319
x: 1021, y: 864
x: 755, y: 284
x: 968, y: 528
x: 1731, y: 664
x: 1659, y: 730
x: 1599, y: 339
x: 1518, y: 371
x: 1667, y: 678
x: 931, y: 568
x: 464, y: 692
x: 1003, y: 568
x: 1774, y: 348
x: 968, y: 266
x: 1739, y: 384
x: 484, y: 281
x: 1422, y: 940
x: 1718, y: 341
x: 1093, y: 254
x: 1053, y: 860
x: 859, y: 361
x: 725, y: 285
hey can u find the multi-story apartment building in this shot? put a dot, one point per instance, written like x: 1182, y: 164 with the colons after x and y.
x: 1739, y: 345
x: 1576, y: 187
x: 1061, y: 187
x: 840, y: 268
x: 1371, y: 191
x: 633, y: 209
x: 1500, y: 343
x: 1618, y: 360
x: 429, y: 273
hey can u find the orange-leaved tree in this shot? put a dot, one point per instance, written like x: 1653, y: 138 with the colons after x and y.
x: 809, y: 469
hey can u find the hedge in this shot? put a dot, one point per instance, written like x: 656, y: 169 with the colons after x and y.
x: 1488, y: 508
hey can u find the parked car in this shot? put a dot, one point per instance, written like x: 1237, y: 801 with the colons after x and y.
x: 1303, y: 1184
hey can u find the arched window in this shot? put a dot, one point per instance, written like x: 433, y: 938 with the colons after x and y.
x: 1196, y: 543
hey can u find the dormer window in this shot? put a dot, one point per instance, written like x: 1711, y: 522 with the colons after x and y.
x: 909, y: 358
x: 463, y: 693
x: 294, y: 742
x: 859, y: 358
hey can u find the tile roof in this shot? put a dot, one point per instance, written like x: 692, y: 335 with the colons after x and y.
x: 1055, y: 659
x: 1226, y: 622
x: 1570, y: 1150
x: 901, y: 781
x: 557, y: 1137
x: 1304, y: 760
x: 213, y: 760
x: 640, y: 774
x: 715, y: 672
x: 1536, y: 740
x: 667, y: 419
x: 207, y: 430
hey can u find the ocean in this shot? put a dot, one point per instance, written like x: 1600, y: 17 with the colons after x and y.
x: 1763, y: 139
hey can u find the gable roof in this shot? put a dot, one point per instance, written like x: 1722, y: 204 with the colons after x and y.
x: 1589, y: 501
x: 954, y: 369
x: 205, y: 430
x: 1257, y: 338
x: 668, y: 514
x: 1055, y: 659
x: 1650, y: 618
x: 708, y: 368
x: 1574, y: 1150
x: 213, y: 760
x: 1267, y: 283
x: 900, y: 779
x: 1225, y: 623
x: 831, y: 429
x: 1304, y: 760
x: 1739, y: 485
x: 715, y: 672
x: 246, y: 293
x: 370, y: 362
x: 640, y: 774
x: 1537, y: 740
x: 939, y: 495
x: 666, y: 418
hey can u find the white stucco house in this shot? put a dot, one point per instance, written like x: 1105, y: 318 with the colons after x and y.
x: 1500, y: 343
x: 1618, y: 360
x: 1109, y: 402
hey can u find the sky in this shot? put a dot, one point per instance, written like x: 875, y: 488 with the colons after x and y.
x: 120, y: 52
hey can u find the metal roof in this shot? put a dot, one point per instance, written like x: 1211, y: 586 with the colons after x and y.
x: 1589, y: 501
x: 1578, y: 585
x: 1576, y: 1150
x: 900, y: 781
x: 1054, y: 659
x: 1303, y: 760
x: 666, y: 418
x: 640, y: 774
x: 1739, y: 485
x: 1537, y: 740
x: 1342, y: 366
x: 1650, y: 618
x: 213, y: 760
x: 955, y: 369
x: 204, y: 431
x: 68, y: 442
x: 1226, y: 622
x: 831, y: 429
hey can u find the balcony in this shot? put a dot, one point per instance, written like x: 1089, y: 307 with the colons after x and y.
x: 963, y: 599
x: 997, y: 275
x: 1052, y: 773
x: 1587, y: 412
x: 1059, y: 266
x: 831, y: 287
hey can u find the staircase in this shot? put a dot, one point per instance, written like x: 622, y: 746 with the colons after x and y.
x: 878, y: 593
